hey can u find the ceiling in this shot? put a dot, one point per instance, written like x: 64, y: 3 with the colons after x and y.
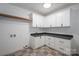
x: 38, y: 7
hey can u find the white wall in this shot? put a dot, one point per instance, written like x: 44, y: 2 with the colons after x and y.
x: 9, y: 26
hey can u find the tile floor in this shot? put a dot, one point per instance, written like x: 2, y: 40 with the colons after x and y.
x: 42, y: 51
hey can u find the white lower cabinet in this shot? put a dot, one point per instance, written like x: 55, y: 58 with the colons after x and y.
x: 36, y: 42
x: 68, y: 51
x: 61, y: 49
x: 48, y: 42
x: 59, y: 44
x: 63, y: 45
x: 52, y: 43
x: 43, y: 40
x: 63, y: 42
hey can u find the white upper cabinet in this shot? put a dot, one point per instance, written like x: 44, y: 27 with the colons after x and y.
x: 57, y: 19
x: 51, y: 20
x: 66, y: 17
x: 37, y: 20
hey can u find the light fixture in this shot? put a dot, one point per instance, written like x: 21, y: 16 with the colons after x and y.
x: 47, y: 5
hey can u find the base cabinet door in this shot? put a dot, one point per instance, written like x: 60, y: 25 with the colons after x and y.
x: 52, y: 42
x: 61, y: 49
x: 38, y: 42
x: 35, y: 42
x: 48, y: 41
x: 63, y: 45
x: 52, y: 45
x: 64, y: 49
x: 43, y: 40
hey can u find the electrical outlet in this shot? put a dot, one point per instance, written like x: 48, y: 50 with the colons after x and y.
x: 11, y: 35
x: 14, y: 35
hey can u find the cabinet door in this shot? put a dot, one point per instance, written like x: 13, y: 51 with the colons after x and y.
x: 43, y: 40
x: 66, y: 18
x: 63, y: 18
x: 37, y: 42
x: 47, y: 41
x: 51, y: 20
x: 59, y: 19
x: 63, y: 42
x: 47, y: 22
x: 32, y: 41
x: 52, y: 43
x: 63, y: 45
x: 68, y: 51
x: 37, y: 20
x: 59, y: 47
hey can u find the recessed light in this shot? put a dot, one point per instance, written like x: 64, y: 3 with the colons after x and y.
x: 47, y: 5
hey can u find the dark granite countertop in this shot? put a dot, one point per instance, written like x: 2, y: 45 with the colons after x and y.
x: 64, y: 36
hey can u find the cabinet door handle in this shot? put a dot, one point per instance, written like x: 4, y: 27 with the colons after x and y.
x: 61, y: 25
